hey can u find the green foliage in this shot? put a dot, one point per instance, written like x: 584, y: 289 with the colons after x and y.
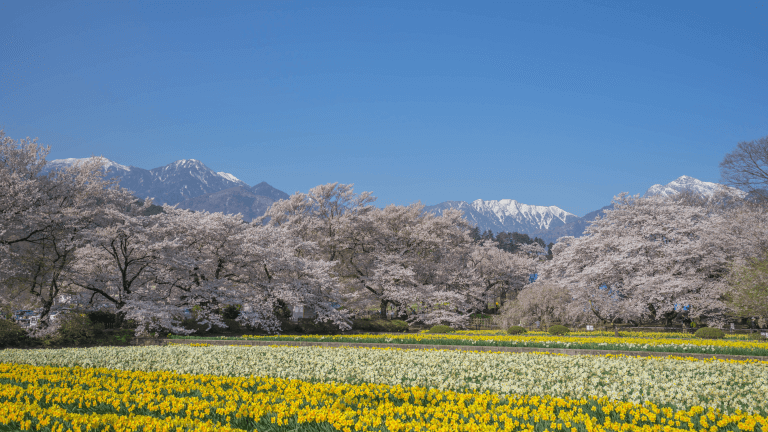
x: 309, y: 326
x: 441, y: 329
x: 709, y: 333
x: 516, y: 330
x: 231, y: 312
x: 11, y: 334
x: 558, y: 330
x: 282, y: 311
x: 380, y: 325
x: 76, y: 329
x: 102, y: 317
x: 120, y: 337
x: 233, y: 325
x: 757, y: 336
x: 749, y: 288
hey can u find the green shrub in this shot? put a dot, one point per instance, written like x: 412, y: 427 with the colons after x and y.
x: 11, y: 334
x: 709, y: 333
x: 76, y: 329
x: 102, y: 317
x: 380, y: 325
x: 397, y: 326
x: 757, y: 336
x: 231, y: 312
x: 233, y: 326
x: 516, y: 330
x: 558, y: 330
x: 441, y: 329
x: 120, y: 337
x: 309, y: 326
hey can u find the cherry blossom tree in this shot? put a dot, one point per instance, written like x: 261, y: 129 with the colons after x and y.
x: 647, y: 259
x: 42, y: 218
x: 504, y: 274
x: 154, y: 268
x: 126, y: 253
x: 399, y: 259
x: 260, y: 268
x: 282, y: 270
x: 416, y: 262
x: 324, y: 215
x: 542, y: 301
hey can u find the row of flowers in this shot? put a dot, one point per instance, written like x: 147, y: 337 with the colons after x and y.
x: 97, y: 399
x: 729, y: 386
x: 656, y: 344
x: 594, y: 333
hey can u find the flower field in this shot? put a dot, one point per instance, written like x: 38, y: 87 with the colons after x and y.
x: 606, y: 333
x: 182, y: 387
x: 655, y: 342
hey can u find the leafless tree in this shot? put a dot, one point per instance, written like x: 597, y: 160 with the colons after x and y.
x: 746, y: 168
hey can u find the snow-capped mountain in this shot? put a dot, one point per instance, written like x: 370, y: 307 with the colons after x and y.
x: 573, y: 228
x: 688, y: 184
x: 510, y: 212
x: 232, y: 178
x: 551, y: 223
x: 109, y: 165
x: 181, y: 180
x: 170, y: 184
x: 508, y: 215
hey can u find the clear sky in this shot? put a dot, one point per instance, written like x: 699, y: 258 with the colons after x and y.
x: 548, y: 103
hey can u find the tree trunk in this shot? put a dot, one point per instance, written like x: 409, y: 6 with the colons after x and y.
x: 384, y: 304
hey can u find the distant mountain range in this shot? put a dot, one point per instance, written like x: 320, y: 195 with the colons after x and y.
x: 194, y: 186
x: 508, y: 215
x: 191, y: 185
x: 251, y: 202
x: 551, y: 223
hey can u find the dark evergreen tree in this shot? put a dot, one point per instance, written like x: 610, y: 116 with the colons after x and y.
x: 475, y: 233
x: 505, y: 242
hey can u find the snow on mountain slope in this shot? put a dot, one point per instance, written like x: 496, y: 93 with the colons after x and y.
x: 62, y: 163
x: 169, y: 184
x: 540, y: 217
x: 507, y: 215
x: 552, y: 222
x: 233, y: 179
x: 690, y: 184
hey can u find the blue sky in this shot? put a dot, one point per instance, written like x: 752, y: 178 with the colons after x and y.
x: 548, y: 103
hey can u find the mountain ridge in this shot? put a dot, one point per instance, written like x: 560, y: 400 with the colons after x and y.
x: 572, y: 225
x: 251, y: 202
x: 190, y: 184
